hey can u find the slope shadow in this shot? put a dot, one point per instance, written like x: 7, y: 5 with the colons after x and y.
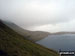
x: 2, y: 53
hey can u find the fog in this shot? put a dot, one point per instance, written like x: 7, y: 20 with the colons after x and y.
x: 42, y: 15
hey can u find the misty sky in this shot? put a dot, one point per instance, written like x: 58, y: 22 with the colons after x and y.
x: 43, y: 15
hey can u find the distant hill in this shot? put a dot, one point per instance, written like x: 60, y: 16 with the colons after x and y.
x: 58, y: 33
x: 33, y: 35
x: 14, y: 44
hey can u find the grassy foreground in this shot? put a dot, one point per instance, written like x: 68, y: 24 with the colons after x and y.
x: 13, y: 44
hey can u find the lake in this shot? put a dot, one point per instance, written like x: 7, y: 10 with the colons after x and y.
x: 57, y: 42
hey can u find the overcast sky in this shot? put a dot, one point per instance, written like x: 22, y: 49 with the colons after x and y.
x: 43, y: 15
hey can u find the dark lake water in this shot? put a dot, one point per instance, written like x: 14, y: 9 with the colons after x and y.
x: 56, y: 42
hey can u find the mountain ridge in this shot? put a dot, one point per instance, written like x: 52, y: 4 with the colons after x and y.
x: 14, y: 44
x: 33, y: 35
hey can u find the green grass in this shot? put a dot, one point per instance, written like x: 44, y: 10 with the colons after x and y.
x: 16, y: 45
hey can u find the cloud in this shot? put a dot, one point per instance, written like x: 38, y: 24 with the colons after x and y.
x: 38, y: 14
x: 66, y: 26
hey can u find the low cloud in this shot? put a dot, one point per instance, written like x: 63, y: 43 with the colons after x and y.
x: 45, y: 15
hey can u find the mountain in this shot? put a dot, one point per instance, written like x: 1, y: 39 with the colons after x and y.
x: 33, y: 35
x: 14, y: 44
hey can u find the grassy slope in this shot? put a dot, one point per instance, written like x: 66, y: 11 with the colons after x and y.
x: 16, y: 45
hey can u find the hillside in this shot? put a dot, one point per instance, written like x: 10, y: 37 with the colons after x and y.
x: 33, y: 35
x: 13, y: 44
